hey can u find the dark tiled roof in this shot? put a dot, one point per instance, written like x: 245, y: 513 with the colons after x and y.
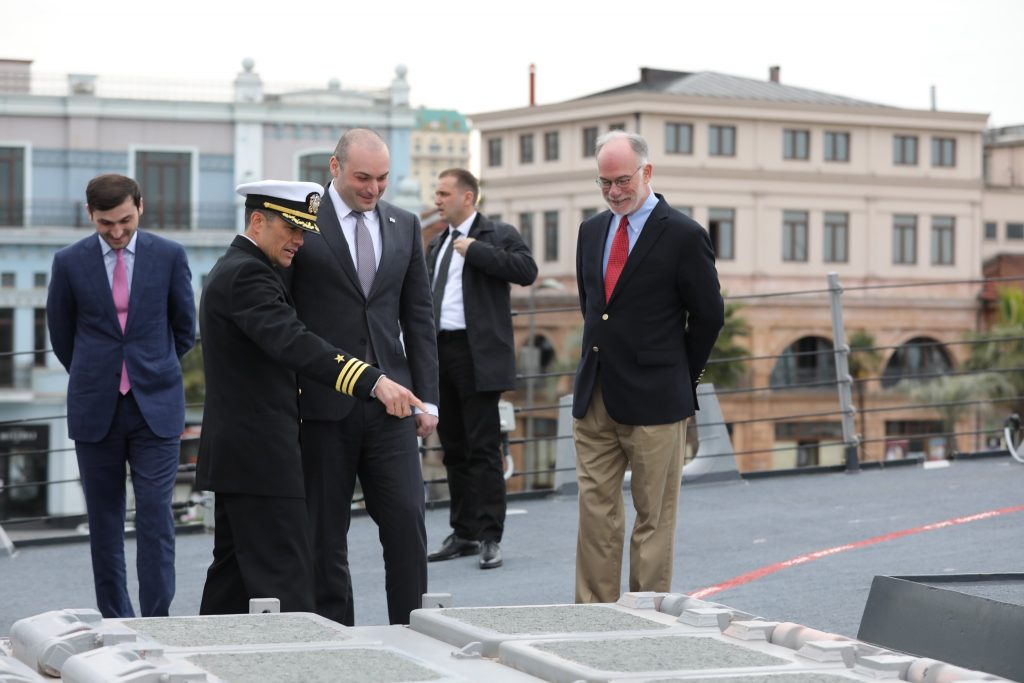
x: 717, y: 85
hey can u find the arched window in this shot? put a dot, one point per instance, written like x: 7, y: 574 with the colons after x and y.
x: 807, y: 360
x: 919, y: 356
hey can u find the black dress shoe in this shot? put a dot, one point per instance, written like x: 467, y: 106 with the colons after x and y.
x: 490, y: 555
x: 454, y: 546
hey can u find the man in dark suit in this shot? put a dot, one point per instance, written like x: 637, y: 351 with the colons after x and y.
x: 476, y: 352
x: 121, y: 313
x: 253, y: 345
x: 651, y: 314
x: 364, y: 287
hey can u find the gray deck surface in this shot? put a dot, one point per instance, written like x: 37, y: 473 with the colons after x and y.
x: 724, y: 531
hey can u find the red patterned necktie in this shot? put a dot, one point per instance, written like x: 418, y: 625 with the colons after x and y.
x: 616, y: 258
x: 120, y: 292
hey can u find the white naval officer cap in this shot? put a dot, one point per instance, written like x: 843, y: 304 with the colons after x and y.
x: 296, y: 202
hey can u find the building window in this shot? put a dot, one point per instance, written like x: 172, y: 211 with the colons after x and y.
x: 722, y: 229
x: 551, y: 145
x: 6, y: 347
x: 678, y: 138
x: 944, y: 152
x: 589, y: 141
x: 39, y: 337
x: 526, y: 229
x: 943, y: 240
x: 494, y: 152
x: 40, y: 280
x: 315, y: 168
x: 1015, y: 231
x: 991, y: 231
x: 807, y: 361
x: 550, y: 235
x: 722, y: 141
x: 7, y: 280
x: 617, y: 126
x: 166, y: 180
x: 837, y: 236
x: 12, y: 186
x: 917, y: 357
x: 794, y: 235
x: 904, y: 239
x: 904, y: 150
x: 837, y: 146
x: 526, y: 148
x: 589, y: 212
x: 796, y: 144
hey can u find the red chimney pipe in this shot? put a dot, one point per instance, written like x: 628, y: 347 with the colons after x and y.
x: 533, y: 84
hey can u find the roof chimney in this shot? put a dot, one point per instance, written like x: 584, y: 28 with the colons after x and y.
x: 773, y: 73
x: 533, y: 85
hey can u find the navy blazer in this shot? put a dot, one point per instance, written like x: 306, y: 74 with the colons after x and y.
x: 650, y: 341
x: 87, y: 338
x: 398, y: 315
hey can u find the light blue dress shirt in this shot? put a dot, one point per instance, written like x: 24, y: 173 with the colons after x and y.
x: 637, y: 220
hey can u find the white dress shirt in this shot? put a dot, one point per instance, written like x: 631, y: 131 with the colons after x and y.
x: 348, y: 226
x: 453, y: 313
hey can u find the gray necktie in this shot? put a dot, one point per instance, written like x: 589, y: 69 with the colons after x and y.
x: 366, y: 261
x: 442, y: 278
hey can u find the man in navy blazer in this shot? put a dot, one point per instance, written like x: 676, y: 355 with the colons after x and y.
x: 651, y: 314
x: 121, y: 312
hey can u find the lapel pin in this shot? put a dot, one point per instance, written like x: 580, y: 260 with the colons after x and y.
x: 391, y: 219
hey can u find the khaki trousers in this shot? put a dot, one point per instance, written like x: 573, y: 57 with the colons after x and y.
x: 604, y: 448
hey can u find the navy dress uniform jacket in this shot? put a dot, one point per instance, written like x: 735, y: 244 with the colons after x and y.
x: 648, y: 345
x: 499, y: 256
x: 253, y: 346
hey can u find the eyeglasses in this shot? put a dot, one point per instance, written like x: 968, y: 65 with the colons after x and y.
x: 621, y: 181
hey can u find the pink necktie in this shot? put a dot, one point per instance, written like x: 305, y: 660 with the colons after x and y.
x: 616, y: 258
x: 120, y: 290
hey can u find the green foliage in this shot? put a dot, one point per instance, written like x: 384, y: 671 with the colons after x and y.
x: 728, y: 373
x: 1004, y: 348
x: 943, y: 391
x: 864, y: 360
x: 195, y: 379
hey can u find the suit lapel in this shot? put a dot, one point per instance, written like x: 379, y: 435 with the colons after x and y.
x: 595, y: 246
x: 652, y: 230
x: 143, y: 263
x: 388, y: 244
x: 96, y: 270
x: 334, y: 238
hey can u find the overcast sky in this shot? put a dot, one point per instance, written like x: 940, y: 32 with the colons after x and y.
x: 475, y: 56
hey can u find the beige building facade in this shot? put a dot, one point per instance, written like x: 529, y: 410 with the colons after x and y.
x: 792, y: 184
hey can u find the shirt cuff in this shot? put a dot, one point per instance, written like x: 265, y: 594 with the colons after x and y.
x: 431, y: 409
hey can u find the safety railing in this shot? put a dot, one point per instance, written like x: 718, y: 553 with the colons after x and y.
x: 832, y: 397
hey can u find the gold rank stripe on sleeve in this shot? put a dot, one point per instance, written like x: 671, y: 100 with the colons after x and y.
x: 349, y: 375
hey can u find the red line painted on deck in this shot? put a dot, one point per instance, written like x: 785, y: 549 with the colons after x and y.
x: 818, y: 554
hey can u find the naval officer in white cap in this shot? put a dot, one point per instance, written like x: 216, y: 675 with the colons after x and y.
x: 253, y: 346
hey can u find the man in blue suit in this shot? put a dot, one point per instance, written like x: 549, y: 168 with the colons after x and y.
x: 121, y: 312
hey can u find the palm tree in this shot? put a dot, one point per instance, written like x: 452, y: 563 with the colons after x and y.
x: 865, y: 362
x: 726, y: 368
